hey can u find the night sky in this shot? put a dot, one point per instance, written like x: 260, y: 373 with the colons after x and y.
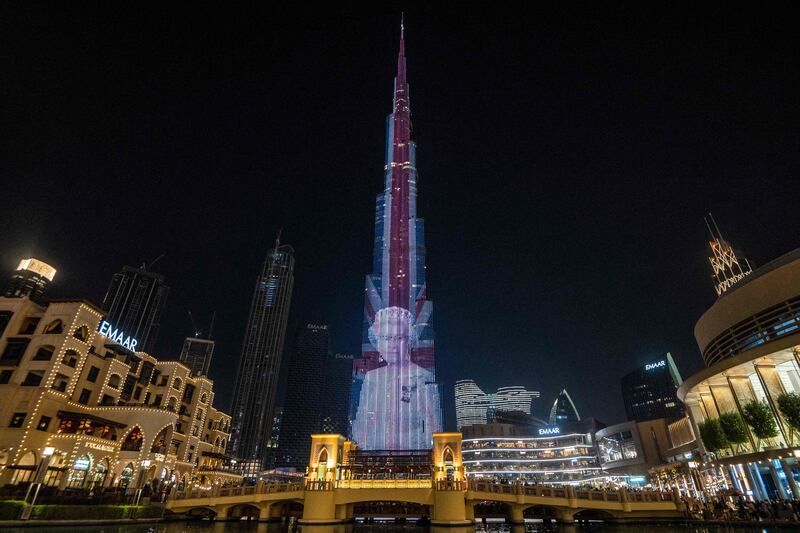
x: 566, y: 160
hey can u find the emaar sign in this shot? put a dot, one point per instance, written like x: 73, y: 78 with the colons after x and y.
x: 116, y: 335
x: 550, y: 431
x: 653, y: 366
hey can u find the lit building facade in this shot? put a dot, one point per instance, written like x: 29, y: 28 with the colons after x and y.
x: 396, y: 403
x: 750, y: 341
x: 110, y: 417
x: 564, y: 454
x: 196, y: 354
x: 31, y: 278
x: 563, y: 410
x: 335, y: 409
x: 473, y: 406
x: 257, y: 378
x: 134, y: 303
x: 651, y: 391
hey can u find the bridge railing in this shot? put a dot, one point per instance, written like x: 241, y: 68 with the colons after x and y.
x: 547, y: 491
x: 383, y: 484
x: 242, y: 490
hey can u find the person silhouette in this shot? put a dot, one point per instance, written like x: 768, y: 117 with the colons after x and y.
x: 397, y: 403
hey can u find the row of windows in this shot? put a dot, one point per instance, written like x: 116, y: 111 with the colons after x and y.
x: 18, y: 419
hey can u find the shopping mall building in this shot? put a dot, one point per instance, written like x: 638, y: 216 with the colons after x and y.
x: 82, y: 409
x: 749, y: 340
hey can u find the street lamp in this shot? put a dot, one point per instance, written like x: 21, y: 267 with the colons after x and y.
x: 41, y: 472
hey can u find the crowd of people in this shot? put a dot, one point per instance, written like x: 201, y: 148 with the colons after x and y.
x: 739, y: 509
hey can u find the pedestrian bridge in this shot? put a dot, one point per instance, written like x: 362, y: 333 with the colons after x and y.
x: 447, y: 502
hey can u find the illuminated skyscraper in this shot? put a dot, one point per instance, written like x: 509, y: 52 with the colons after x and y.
x: 473, y: 406
x: 395, y: 396
x: 31, y: 279
x: 651, y: 391
x: 563, y: 409
x: 134, y: 302
x: 196, y: 353
x: 253, y: 402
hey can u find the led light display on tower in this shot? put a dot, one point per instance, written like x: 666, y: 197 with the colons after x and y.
x: 395, y: 402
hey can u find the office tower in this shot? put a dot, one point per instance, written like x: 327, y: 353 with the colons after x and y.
x: 305, y: 385
x: 256, y: 383
x: 196, y: 354
x: 134, y: 303
x: 335, y: 407
x: 473, y: 406
x: 31, y: 279
x: 396, y: 402
x: 651, y: 391
x: 563, y: 409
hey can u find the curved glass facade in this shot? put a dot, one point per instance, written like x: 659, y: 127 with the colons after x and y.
x: 569, y: 458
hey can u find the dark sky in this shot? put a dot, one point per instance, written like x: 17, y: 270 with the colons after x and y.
x: 566, y: 161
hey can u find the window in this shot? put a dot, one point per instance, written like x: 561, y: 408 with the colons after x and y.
x: 14, y: 350
x: 44, y: 423
x: 204, y: 398
x: 29, y: 325
x: 137, y: 393
x: 5, y: 376
x: 17, y: 420
x: 107, y: 400
x: 176, y: 384
x: 188, y: 394
x: 54, y: 327
x: 163, y: 382
x: 84, y: 397
x: 113, y: 381
x: 157, y: 401
x: 33, y: 379
x: 44, y: 353
x: 93, y: 373
x: 82, y: 333
x: 5, y: 318
x: 60, y: 382
x: 70, y: 358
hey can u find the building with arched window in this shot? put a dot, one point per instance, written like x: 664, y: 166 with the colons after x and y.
x: 70, y: 384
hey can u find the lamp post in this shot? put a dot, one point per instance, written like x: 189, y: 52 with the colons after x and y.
x: 41, y: 472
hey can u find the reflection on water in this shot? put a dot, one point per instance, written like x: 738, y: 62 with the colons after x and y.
x: 379, y: 527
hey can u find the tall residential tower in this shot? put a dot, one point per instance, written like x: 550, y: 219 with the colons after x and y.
x: 253, y: 402
x: 395, y: 396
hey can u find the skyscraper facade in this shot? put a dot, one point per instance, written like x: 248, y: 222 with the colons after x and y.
x: 134, y: 302
x: 473, y: 406
x: 335, y: 409
x: 651, y: 391
x: 304, y: 394
x: 256, y: 383
x: 196, y: 354
x: 31, y: 279
x: 395, y: 396
x: 563, y: 409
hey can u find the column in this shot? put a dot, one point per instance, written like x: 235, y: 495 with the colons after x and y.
x: 787, y: 469
x: 756, y: 473
x: 777, y: 480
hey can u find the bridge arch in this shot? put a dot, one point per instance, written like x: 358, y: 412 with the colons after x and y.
x: 250, y: 511
x: 593, y: 514
x: 202, y: 512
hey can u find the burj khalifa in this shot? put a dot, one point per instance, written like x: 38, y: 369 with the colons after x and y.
x: 395, y: 398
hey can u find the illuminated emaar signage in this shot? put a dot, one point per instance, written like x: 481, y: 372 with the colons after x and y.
x: 653, y: 366
x: 549, y: 431
x: 116, y: 335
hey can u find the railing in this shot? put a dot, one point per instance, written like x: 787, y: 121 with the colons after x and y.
x: 243, y: 490
x: 383, y: 484
x: 545, y: 491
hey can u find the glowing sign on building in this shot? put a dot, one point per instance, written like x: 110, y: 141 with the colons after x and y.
x: 653, y: 366
x: 117, y: 335
x: 39, y: 267
x: 550, y: 431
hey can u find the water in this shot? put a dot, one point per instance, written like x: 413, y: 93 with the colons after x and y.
x: 244, y: 527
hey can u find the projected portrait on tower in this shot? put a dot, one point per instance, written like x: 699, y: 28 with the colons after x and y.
x: 398, y: 404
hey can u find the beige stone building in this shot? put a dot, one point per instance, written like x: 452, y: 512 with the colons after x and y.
x: 74, y: 397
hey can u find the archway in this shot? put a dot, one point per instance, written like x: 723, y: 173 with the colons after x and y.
x: 492, y: 509
x: 541, y: 512
x: 79, y: 470
x: 390, y: 509
x: 245, y: 510
x: 161, y: 440
x: 133, y: 440
x: 286, y: 509
x: 322, y: 464
x: 126, y: 476
x: 202, y: 512
x: 26, y: 466
x: 98, y: 475
x: 592, y: 515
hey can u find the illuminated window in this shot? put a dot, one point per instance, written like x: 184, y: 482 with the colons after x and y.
x: 44, y: 423
x: 82, y: 333
x: 17, y: 420
x: 54, y: 327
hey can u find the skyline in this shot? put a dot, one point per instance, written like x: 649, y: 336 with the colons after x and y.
x: 574, y: 292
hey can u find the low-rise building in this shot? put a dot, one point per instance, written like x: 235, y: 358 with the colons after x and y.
x: 77, y: 397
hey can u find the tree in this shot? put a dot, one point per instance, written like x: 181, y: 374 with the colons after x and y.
x: 789, y: 404
x: 735, y: 430
x: 759, y: 417
x: 713, y: 436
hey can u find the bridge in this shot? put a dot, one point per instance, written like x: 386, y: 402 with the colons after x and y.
x: 326, y: 496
